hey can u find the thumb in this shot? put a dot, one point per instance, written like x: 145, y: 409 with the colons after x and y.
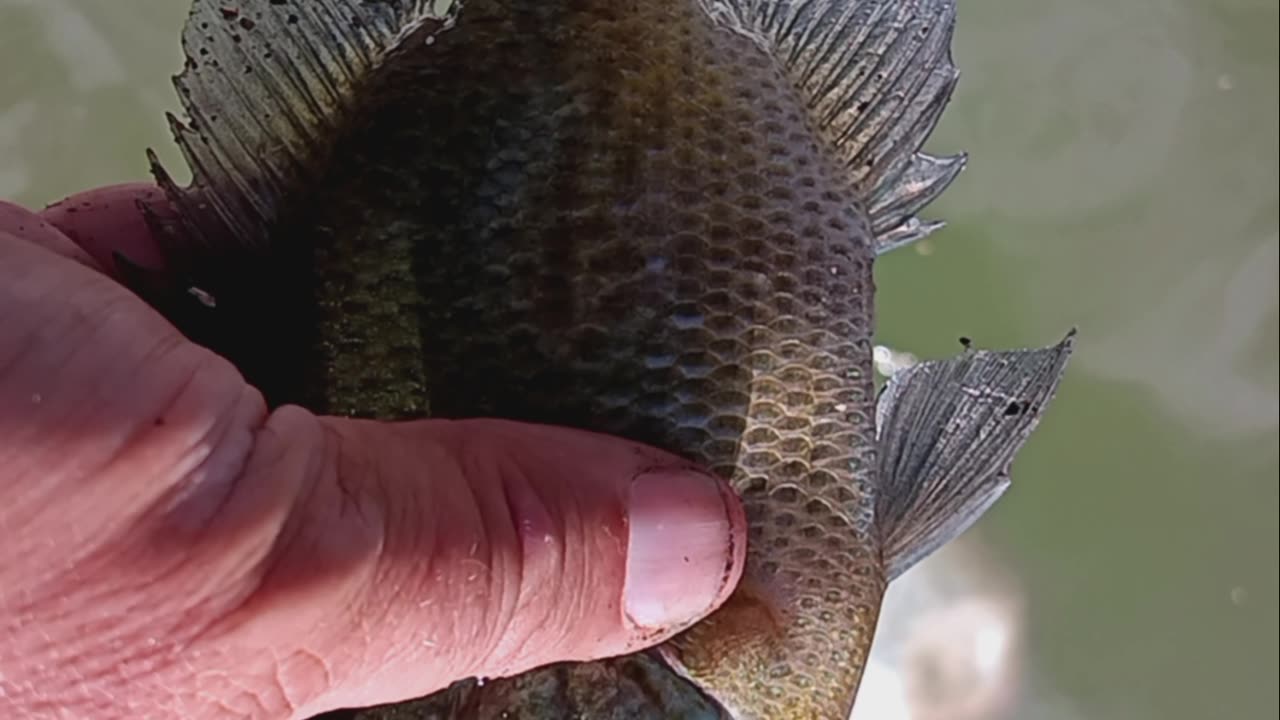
x: 500, y: 547
x: 176, y: 551
x: 348, y: 563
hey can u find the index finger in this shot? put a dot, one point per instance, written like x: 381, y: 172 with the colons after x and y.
x: 110, y: 219
x: 30, y: 227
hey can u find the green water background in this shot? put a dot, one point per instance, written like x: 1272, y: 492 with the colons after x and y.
x: 1123, y: 179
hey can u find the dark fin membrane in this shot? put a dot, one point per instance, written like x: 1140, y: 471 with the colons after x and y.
x: 948, y: 432
x: 156, y: 287
x: 265, y: 86
x: 877, y: 75
x: 186, y: 305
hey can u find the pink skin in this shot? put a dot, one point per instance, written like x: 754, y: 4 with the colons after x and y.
x: 172, y: 549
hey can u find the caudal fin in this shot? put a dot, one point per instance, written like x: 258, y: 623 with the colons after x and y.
x: 948, y: 432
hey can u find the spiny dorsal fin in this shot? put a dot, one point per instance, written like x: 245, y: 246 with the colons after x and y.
x: 948, y: 432
x: 265, y: 82
x: 877, y: 75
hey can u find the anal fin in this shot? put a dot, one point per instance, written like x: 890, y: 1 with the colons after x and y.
x: 948, y: 432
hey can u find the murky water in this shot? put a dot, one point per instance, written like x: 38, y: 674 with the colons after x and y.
x: 1123, y: 179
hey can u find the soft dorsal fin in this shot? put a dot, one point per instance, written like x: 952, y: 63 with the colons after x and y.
x: 265, y: 80
x: 264, y: 84
x: 948, y: 432
x: 876, y: 75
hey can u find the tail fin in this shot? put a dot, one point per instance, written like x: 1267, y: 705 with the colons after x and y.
x: 876, y: 75
x: 949, y: 430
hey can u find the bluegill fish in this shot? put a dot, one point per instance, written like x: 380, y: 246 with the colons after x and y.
x: 656, y: 219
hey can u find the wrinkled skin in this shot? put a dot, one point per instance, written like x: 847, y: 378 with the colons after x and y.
x: 174, y: 549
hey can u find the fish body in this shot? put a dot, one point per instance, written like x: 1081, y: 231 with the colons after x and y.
x: 653, y: 219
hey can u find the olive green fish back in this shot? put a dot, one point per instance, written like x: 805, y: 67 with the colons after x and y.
x: 621, y: 217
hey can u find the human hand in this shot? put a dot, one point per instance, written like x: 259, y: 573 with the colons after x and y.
x: 172, y: 549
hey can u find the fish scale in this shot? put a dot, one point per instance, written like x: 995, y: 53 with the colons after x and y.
x: 654, y: 219
x: 583, y: 271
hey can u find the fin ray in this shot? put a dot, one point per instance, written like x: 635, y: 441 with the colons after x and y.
x: 948, y: 433
x: 265, y: 81
x: 877, y: 75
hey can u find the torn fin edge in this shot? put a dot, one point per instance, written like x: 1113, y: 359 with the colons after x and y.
x: 948, y: 433
x: 876, y: 75
x: 264, y: 86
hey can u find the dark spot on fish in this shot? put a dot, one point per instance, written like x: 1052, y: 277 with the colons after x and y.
x: 235, y: 37
x: 1017, y: 407
x: 247, y: 24
x: 292, y: 19
x: 230, y: 13
x: 966, y: 342
x: 159, y: 421
x: 278, y: 2
x: 204, y: 51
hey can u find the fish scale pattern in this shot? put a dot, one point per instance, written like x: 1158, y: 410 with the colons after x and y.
x: 655, y: 219
x: 647, y: 238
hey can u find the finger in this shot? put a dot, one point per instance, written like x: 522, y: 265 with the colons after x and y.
x: 548, y: 545
x: 110, y: 219
x: 179, y: 549
x: 20, y: 223
x: 500, y: 547
x: 106, y: 417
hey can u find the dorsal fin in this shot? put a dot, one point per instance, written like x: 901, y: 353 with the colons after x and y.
x: 948, y: 432
x: 264, y: 84
x: 876, y: 75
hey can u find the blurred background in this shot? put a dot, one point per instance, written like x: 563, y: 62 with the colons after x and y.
x: 1123, y: 179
